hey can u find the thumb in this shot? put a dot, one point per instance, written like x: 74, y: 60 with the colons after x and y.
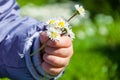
x: 43, y: 37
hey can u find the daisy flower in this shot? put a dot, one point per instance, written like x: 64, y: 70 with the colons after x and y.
x: 51, y: 21
x: 53, y: 33
x: 62, y: 23
x: 70, y: 33
x: 80, y: 10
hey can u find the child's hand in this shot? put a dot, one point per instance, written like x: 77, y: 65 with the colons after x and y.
x: 57, y: 54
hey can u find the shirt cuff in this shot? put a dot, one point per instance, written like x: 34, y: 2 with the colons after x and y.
x: 30, y: 66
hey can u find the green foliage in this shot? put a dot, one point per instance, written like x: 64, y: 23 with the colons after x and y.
x: 37, y: 2
x: 4, y: 79
x: 108, y: 7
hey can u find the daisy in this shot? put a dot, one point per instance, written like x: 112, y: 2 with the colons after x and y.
x: 70, y: 33
x: 51, y: 21
x: 61, y: 23
x: 80, y: 10
x: 53, y: 33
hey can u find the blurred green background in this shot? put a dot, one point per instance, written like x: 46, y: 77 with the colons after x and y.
x: 97, y: 43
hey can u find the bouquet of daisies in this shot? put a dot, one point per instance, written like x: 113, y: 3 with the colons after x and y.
x: 60, y: 26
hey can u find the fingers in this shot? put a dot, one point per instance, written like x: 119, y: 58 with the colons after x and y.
x: 51, y: 70
x: 55, y: 60
x: 43, y: 37
x: 60, y: 52
x: 64, y: 41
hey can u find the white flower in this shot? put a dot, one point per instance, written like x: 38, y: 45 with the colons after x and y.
x: 71, y: 34
x: 80, y: 10
x: 57, y: 22
x: 57, y: 27
x: 51, y: 21
x: 61, y: 23
x: 53, y: 33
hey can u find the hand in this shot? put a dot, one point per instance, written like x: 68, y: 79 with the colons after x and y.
x: 56, y: 54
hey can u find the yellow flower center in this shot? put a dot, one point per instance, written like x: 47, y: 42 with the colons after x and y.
x: 54, y: 34
x: 51, y: 21
x: 80, y: 10
x: 61, y: 24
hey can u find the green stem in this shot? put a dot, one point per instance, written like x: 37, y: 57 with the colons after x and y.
x: 72, y: 16
x: 43, y: 46
x: 45, y: 77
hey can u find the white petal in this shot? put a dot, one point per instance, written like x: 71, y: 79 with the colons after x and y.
x: 77, y: 6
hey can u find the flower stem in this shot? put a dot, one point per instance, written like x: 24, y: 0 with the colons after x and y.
x: 43, y: 46
x: 72, y: 16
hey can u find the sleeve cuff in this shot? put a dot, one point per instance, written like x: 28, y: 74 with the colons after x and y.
x: 29, y: 63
